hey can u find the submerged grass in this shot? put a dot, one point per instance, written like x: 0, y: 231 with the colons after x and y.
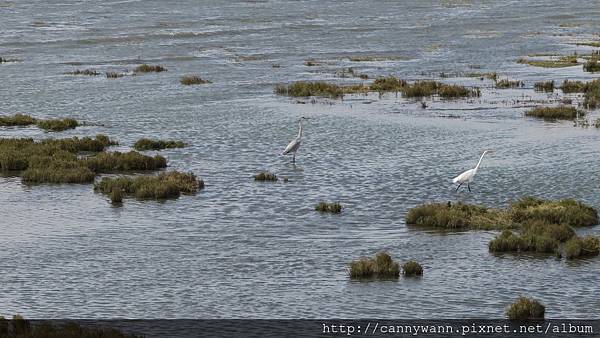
x: 17, y: 120
x: 265, y: 176
x: 525, y: 210
x: 189, y: 80
x: 334, y: 208
x: 506, y: 83
x: 381, y: 84
x: 157, y: 187
x: 87, y: 72
x: 544, y: 86
x: 61, y: 161
x: 412, y: 268
x: 525, y: 308
x: 146, y: 68
x: 114, y: 75
x: 592, y: 65
x: 19, y: 327
x: 562, y: 112
x: 562, y: 61
x: 58, y: 124
x: 458, y: 216
x: 382, y: 266
x: 150, y: 144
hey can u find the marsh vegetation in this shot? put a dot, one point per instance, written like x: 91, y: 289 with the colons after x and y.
x: 412, y: 268
x: 544, y: 86
x: 21, y: 120
x: 87, y: 72
x: 188, y: 80
x: 525, y: 308
x: 553, y: 62
x: 562, y: 112
x: 19, y: 327
x: 150, y: 187
x: 265, y: 176
x: 382, y: 84
x: 146, y: 68
x: 326, y: 207
x: 150, y: 144
x: 381, y: 266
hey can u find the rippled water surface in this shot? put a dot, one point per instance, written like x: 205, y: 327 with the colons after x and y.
x: 243, y: 249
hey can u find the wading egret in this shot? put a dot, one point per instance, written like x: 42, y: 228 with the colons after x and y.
x: 295, y: 144
x: 467, y: 176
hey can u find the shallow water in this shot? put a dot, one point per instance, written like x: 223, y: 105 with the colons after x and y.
x: 244, y: 249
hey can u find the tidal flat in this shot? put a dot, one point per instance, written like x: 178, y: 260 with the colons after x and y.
x: 240, y: 248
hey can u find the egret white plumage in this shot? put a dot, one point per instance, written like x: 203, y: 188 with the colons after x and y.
x: 467, y: 176
x: 295, y: 144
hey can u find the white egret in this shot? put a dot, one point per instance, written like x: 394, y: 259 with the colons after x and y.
x: 295, y: 144
x: 467, y: 176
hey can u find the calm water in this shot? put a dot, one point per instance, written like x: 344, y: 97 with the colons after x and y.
x: 243, y: 249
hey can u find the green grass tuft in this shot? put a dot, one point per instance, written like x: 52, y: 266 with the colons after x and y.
x: 544, y: 86
x: 57, y: 125
x: 506, y: 83
x: 334, y: 208
x: 561, y: 62
x: 87, y: 72
x: 114, y: 75
x: 592, y: 65
x: 265, y: 176
x: 458, y: 216
x: 149, y: 144
x: 561, y: 112
x: 189, y: 80
x: 151, y: 187
x: 525, y: 308
x: 577, y: 247
x: 146, y: 68
x: 107, y: 162
x: 382, y: 266
x: 412, y: 268
x: 566, y: 211
x: 17, y: 120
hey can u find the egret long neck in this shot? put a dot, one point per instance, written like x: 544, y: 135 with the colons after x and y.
x: 481, y: 158
x: 300, y: 129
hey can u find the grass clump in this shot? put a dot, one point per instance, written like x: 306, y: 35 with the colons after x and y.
x: 544, y: 86
x: 577, y: 247
x: 458, y: 216
x: 334, y: 208
x: 58, y: 124
x: 590, y: 89
x: 562, y: 112
x: 412, y: 268
x: 565, y: 211
x: 506, y: 83
x: 382, y: 266
x: 265, y: 176
x: 114, y: 75
x: 149, y: 144
x: 525, y: 308
x: 147, y: 187
x: 430, y: 88
x: 189, y: 80
x: 305, y: 89
x: 146, y: 68
x: 17, y: 120
x: 508, y: 241
x: 560, y: 62
x: 87, y: 72
x: 20, y: 327
x: 387, y: 84
x: 592, y: 65
x: 106, y: 162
